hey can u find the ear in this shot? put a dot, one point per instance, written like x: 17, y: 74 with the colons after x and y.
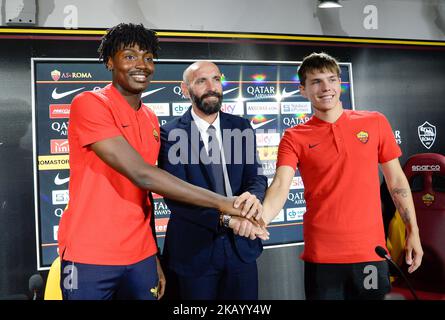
x: 110, y: 64
x: 303, y: 91
x: 185, y: 90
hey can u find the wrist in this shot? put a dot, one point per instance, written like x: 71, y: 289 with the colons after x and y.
x: 412, y: 229
x: 223, y: 204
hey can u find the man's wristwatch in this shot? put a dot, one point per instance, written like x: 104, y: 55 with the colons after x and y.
x: 225, y: 220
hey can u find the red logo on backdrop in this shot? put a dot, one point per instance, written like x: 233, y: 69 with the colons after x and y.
x: 55, y: 74
x: 156, y: 196
x: 59, y: 111
x: 59, y: 146
x: 161, y: 224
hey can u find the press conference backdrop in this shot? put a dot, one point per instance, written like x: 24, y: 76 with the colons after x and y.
x: 401, y: 79
x: 264, y: 92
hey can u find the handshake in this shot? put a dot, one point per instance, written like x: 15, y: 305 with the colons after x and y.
x: 243, y: 214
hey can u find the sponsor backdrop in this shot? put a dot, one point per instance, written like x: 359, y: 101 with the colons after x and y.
x: 266, y: 93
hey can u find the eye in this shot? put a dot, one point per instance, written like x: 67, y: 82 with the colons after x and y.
x: 149, y: 59
x: 130, y: 57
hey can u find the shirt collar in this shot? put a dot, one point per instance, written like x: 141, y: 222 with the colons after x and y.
x: 204, y: 125
x: 339, y: 121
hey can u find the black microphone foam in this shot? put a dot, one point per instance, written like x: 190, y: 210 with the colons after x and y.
x: 35, y: 282
x: 381, y: 252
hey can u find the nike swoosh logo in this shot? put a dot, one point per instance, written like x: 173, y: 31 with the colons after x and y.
x: 143, y: 95
x: 259, y: 125
x: 59, y: 181
x: 285, y: 94
x: 313, y: 145
x: 230, y: 90
x: 56, y: 95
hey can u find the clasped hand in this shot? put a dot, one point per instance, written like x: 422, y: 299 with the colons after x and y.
x: 250, y: 223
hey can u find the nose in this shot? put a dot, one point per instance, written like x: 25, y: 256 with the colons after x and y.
x: 325, y: 86
x: 143, y: 64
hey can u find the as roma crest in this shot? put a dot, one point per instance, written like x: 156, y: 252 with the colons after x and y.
x: 427, y: 134
x: 363, y: 136
x: 55, y: 74
x: 428, y: 199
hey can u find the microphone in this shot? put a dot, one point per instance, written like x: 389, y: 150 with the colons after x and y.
x: 381, y: 252
x: 35, y: 285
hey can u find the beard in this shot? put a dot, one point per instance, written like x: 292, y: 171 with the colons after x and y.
x: 207, y: 107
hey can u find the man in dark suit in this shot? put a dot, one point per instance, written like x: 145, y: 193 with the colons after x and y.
x: 212, y: 255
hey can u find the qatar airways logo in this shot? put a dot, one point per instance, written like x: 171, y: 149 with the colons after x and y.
x: 269, y: 168
x: 161, y: 209
x: 60, y: 127
x: 296, y: 197
x: 261, y: 91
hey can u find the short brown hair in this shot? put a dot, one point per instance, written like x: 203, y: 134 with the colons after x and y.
x: 317, y: 62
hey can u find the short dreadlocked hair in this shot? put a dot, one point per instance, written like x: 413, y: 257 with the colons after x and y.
x: 127, y: 34
x: 320, y: 62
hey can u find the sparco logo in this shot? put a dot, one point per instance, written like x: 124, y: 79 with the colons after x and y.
x: 427, y: 134
x: 426, y: 168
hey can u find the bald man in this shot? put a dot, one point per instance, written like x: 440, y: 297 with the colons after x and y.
x: 213, y: 255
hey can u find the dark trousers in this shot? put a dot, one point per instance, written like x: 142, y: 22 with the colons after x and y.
x: 227, y: 278
x: 346, y: 281
x: 80, y: 281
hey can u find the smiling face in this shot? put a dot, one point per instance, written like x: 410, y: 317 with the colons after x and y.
x: 132, y: 69
x: 322, y: 89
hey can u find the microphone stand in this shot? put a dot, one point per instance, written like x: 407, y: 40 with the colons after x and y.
x: 411, y: 289
x: 381, y: 252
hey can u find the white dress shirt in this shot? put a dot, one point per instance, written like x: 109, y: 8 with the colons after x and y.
x: 202, y: 128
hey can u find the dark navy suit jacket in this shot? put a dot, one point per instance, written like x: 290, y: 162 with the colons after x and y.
x: 192, y: 229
